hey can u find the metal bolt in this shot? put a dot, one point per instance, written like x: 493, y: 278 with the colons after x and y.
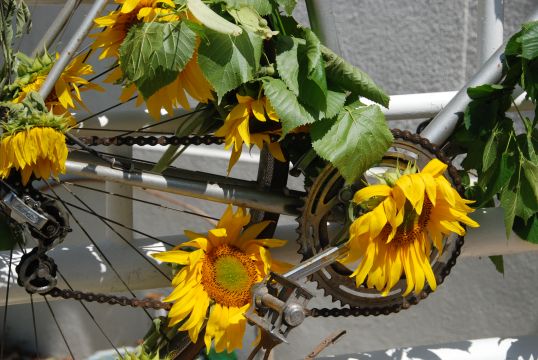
x: 294, y: 315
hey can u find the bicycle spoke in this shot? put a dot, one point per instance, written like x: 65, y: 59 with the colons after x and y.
x: 92, y: 317
x: 105, y: 110
x: 198, y: 214
x: 116, y: 232
x: 164, y: 121
x: 120, y: 130
x: 36, y: 343
x: 64, y: 202
x: 104, y: 72
x: 58, y: 326
x: 105, y: 258
x: 4, y: 327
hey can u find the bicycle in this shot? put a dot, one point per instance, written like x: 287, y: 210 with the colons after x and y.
x: 285, y: 204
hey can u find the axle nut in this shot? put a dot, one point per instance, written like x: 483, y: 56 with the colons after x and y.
x: 294, y: 315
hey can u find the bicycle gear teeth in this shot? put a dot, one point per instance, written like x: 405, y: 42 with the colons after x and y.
x: 404, y: 302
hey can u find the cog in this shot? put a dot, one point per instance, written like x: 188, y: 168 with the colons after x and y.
x: 325, y: 222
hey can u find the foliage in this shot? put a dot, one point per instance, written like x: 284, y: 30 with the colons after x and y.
x: 506, y: 161
x: 30, y: 113
x: 14, y: 21
x: 249, y: 48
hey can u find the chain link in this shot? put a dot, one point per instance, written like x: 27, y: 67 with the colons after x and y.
x: 170, y: 140
x: 109, y: 299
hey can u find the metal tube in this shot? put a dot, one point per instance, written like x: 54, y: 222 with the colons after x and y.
x: 194, y: 184
x: 490, y: 29
x: 321, y: 18
x: 57, y: 25
x: 315, y: 263
x: 71, y: 48
x: 443, y: 125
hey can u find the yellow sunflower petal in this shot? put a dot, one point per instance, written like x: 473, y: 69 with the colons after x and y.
x: 371, y: 191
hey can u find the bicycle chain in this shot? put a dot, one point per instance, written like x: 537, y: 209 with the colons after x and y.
x: 209, y: 140
x: 170, y: 140
x: 109, y: 299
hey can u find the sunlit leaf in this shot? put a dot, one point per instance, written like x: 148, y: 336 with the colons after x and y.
x: 153, y: 54
x: 229, y: 61
x: 353, y: 142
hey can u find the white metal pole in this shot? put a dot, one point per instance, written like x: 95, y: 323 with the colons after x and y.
x: 490, y: 28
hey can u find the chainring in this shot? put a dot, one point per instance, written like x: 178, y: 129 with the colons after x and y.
x: 324, y: 222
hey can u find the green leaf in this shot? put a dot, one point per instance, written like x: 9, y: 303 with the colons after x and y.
x: 288, y: 5
x: 498, y: 261
x: 530, y: 170
x: 354, y: 141
x: 509, y: 200
x: 528, y: 231
x: 262, y: 7
x: 351, y: 78
x: 291, y: 113
x: 312, y: 81
x: 203, y: 13
x: 529, y: 41
x: 530, y: 78
x: 228, y: 62
x: 287, y: 62
x: 335, y: 103
x: 24, y: 21
x: 490, y: 151
x: 153, y: 54
x: 498, y: 176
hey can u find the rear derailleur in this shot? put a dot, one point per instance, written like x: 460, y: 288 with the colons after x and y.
x: 30, y: 212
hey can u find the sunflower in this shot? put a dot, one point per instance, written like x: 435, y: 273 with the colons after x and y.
x: 396, y: 235
x: 218, y: 276
x: 236, y: 127
x: 38, y: 150
x: 67, y: 89
x: 116, y: 25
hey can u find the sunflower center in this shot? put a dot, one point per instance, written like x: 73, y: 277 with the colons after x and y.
x: 412, y: 226
x: 227, y: 275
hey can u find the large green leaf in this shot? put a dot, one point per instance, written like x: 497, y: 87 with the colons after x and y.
x: 509, y: 200
x: 287, y: 61
x: 291, y: 113
x: 227, y: 61
x: 490, y: 151
x: 356, y: 140
x: 498, y: 177
x: 529, y: 230
x: 530, y: 170
x: 153, y: 54
x: 312, y: 80
x: 351, y: 78
x: 529, y: 41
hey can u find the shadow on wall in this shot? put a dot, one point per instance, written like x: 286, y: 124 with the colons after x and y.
x: 521, y: 348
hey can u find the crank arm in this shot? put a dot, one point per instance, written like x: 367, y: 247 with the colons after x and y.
x: 315, y: 263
